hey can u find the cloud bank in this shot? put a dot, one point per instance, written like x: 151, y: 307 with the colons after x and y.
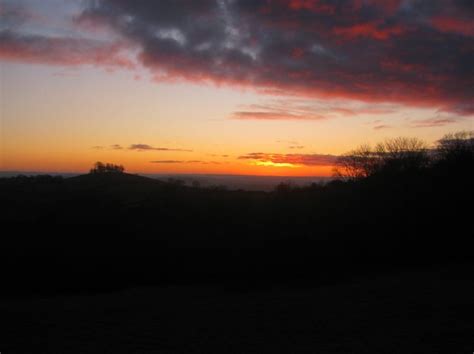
x: 416, y: 53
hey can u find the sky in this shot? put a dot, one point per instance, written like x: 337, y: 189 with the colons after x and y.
x: 270, y: 87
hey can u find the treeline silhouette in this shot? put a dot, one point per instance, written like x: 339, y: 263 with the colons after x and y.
x: 396, y: 205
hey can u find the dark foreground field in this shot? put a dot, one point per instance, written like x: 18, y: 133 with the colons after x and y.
x: 424, y: 311
x: 380, y: 261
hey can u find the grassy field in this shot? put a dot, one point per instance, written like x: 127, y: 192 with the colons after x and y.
x: 424, y: 311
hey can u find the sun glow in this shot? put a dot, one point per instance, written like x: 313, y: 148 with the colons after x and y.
x: 274, y: 164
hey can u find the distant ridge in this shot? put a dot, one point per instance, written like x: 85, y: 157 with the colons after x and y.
x: 36, y: 173
x: 230, y: 181
x: 243, y: 182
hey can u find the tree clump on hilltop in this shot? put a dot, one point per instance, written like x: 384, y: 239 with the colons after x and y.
x: 100, y: 167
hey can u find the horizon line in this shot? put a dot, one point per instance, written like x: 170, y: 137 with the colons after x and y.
x: 163, y: 174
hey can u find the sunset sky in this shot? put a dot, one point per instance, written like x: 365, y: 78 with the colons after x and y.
x: 270, y: 87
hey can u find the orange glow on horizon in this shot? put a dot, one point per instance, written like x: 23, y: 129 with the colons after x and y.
x: 140, y: 163
x: 275, y: 164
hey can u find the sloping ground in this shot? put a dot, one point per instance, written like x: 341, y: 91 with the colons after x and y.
x: 427, y: 311
x: 113, y: 182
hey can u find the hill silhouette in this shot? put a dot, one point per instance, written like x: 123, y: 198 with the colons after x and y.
x: 104, y: 179
x: 114, y: 183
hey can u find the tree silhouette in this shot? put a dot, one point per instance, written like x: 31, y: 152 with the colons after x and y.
x: 456, y: 147
x: 391, y: 156
x: 100, y: 167
x: 358, y: 163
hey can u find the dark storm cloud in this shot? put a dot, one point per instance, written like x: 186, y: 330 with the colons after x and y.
x: 409, y: 52
x: 13, y: 14
x: 378, y: 51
